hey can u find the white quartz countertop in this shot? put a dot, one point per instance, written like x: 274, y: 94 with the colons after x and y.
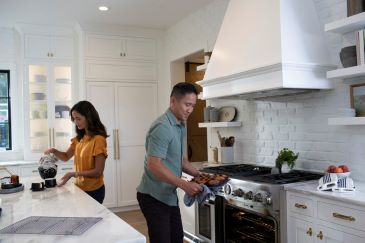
x: 66, y: 201
x: 357, y: 197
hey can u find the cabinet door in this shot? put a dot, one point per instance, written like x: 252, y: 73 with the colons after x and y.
x: 101, y: 95
x: 138, y: 48
x: 300, y: 231
x: 37, y: 46
x: 37, y: 126
x: 61, y: 93
x: 136, y: 109
x: 61, y: 47
x: 187, y: 213
x: 329, y: 235
x: 102, y: 46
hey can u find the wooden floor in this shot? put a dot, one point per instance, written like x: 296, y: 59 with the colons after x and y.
x: 136, y: 220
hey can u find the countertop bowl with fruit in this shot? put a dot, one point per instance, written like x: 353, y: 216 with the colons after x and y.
x: 342, y: 175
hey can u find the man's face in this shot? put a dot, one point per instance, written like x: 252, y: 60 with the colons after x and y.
x: 183, y: 107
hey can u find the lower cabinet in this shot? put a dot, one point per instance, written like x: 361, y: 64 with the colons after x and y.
x: 315, y: 219
x: 187, y: 213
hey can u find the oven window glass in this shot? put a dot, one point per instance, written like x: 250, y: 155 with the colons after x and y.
x: 243, y: 226
x: 205, y: 221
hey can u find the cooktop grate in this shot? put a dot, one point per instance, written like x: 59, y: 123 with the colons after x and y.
x: 51, y: 225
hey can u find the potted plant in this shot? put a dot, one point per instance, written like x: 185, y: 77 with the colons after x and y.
x: 286, y: 157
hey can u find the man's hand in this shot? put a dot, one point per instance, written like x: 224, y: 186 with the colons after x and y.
x: 191, y: 188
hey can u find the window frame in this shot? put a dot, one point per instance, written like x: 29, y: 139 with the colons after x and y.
x: 8, y: 97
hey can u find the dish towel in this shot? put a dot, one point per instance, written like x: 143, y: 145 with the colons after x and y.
x: 201, y: 197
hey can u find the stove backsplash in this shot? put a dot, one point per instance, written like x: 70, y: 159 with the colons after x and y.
x: 300, y: 123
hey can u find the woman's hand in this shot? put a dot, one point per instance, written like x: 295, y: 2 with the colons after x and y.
x: 49, y: 151
x: 66, y: 177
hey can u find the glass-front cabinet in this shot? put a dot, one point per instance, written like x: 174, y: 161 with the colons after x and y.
x: 50, y: 98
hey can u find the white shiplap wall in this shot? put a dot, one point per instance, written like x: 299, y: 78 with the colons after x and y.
x: 297, y: 122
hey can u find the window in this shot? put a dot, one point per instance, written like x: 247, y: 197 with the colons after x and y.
x: 5, y: 121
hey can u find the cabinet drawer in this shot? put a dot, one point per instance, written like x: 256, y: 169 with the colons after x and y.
x: 341, y: 215
x: 301, y: 205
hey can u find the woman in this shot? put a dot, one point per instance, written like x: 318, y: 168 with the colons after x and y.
x: 89, y: 149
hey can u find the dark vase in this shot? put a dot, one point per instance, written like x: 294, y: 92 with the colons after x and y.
x: 355, y: 7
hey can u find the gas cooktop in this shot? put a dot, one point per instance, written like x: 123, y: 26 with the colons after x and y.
x: 262, y: 174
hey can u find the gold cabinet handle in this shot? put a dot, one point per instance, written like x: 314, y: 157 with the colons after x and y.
x: 117, y: 144
x: 344, y: 217
x: 309, y: 231
x: 320, y: 235
x: 298, y: 205
x: 114, y: 146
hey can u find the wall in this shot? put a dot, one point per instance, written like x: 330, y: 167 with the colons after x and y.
x: 298, y: 122
x: 9, y: 60
x: 196, y: 32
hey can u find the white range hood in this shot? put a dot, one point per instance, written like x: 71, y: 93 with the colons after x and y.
x: 267, y: 48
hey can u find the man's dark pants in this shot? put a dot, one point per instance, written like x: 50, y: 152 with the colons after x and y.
x: 163, y: 221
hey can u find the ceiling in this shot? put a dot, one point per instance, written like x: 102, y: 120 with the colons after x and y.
x: 159, y: 14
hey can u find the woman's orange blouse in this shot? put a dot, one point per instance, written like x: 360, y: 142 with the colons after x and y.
x: 85, y: 152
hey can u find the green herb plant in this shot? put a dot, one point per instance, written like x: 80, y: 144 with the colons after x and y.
x: 286, y: 156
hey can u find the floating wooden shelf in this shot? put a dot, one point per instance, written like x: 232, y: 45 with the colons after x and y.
x: 221, y: 124
x: 349, y: 72
x: 346, y: 121
x: 202, y: 67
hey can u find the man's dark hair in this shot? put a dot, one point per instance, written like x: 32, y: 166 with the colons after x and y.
x: 182, y: 89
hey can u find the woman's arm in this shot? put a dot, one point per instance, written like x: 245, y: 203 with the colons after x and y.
x: 96, y: 172
x: 64, y: 156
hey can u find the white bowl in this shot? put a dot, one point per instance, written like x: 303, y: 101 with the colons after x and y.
x: 342, y: 175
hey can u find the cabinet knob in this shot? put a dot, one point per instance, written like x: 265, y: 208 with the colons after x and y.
x: 298, y: 205
x: 121, y: 54
x: 51, y: 54
x: 48, y: 54
x: 320, y: 235
x: 309, y: 231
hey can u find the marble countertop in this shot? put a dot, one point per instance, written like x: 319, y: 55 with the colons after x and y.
x: 66, y: 201
x: 357, y: 197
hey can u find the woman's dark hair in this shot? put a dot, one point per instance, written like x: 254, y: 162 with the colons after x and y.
x: 182, y: 89
x: 94, y: 125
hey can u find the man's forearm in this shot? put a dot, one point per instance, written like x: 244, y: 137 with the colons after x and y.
x: 189, y: 168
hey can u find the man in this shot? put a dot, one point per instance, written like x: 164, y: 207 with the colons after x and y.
x: 163, y: 166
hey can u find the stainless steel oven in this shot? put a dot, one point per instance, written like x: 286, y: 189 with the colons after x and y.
x: 205, y: 220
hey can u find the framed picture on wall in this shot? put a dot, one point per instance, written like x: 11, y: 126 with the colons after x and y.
x: 357, y: 94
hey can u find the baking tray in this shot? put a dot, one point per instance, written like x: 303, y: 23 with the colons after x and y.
x: 44, y: 225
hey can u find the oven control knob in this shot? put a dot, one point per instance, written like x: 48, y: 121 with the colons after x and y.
x: 267, y: 199
x: 249, y: 195
x: 238, y: 193
x: 258, y: 197
x: 227, y: 189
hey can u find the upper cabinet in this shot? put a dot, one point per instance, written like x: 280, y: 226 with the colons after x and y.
x: 45, y: 46
x: 99, y: 46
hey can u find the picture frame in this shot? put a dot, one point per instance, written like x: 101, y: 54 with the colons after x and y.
x: 357, y: 96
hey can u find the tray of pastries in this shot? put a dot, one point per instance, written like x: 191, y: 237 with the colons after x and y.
x: 211, y: 180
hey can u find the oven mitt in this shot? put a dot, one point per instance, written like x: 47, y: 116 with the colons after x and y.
x: 344, y: 185
x: 327, y: 182
x: 201, y: 197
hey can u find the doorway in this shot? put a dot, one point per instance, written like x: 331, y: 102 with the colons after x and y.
x: 196, y: 137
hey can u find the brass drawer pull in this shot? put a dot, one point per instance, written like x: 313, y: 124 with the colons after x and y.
x: 344, y: 217
x: 320, y: 235
x: 297, y: 205
x: 310, y: 232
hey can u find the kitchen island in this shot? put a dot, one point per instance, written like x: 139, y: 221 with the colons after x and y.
x: 66, y: 201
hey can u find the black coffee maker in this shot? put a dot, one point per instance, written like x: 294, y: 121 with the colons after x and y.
x: 48, y: 170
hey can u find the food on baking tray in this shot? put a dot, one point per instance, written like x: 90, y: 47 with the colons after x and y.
x: 210, y: 179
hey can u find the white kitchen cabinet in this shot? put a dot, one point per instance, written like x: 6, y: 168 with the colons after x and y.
x: 127, y: 110
x: 187, y: 213
x: 48, y: 98
x: 314, y: 219
x: 50, y: 47
x: 117, y: 47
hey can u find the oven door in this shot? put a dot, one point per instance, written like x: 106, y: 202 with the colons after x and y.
x: 241, y: 225
x: 205, y: 221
